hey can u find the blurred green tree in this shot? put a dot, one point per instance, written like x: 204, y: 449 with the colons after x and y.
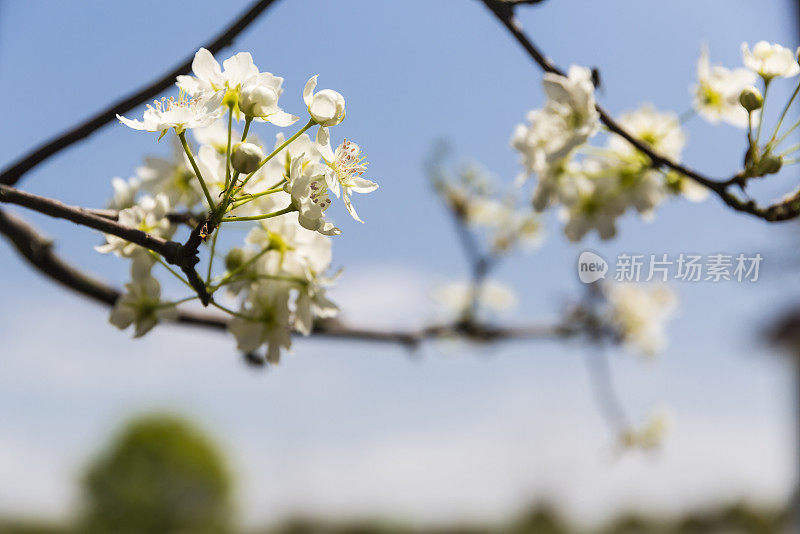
x: 160, y: 475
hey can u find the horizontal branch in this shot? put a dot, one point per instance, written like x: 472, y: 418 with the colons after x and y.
x: 38, y: 251
x: 14, y: 172
x: 522, y: 2
x: 168, y: 249
x: 187, y: 218
x: 781, y: 211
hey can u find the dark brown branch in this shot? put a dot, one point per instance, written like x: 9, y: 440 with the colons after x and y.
x: 84, y: 217
x: 187, y: 218
x: 184, y: 256
x: 780, y: 212
x: 14, y: 172
x: 38, y: 251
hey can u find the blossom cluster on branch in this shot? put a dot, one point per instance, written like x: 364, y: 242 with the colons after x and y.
x: 275, y: 282
x: 594, y: 184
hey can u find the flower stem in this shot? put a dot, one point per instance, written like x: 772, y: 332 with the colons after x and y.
x: 230, y: 311
x: 211, y: 258
x: 787, y: 133
x: 284, y: 211
x: 247, y: 122
x: 182, y: 137
x: 763, y: 107
x: 176, y: 302
x: 242, y: 201
x: 228, y: 150
x: 783, y: 115
x: 171, y: 270
x: 271, y: 155
x: 225, y: 279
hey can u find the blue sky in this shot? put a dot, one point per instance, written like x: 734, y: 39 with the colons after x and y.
x: 360, y: 429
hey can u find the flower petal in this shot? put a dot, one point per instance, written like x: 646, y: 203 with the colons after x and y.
x: 132, y: 123
x: 324, y: 142
x: 308, y: 90
x: 282, y: 119
x: 349, y: 205
x: 362, y: 185
x: 206, y: 67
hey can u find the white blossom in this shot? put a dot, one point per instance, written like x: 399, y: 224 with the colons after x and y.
x: 592, y: 204
x: 309, y: 248
x: 651, y: 434
x: 258, y: 98
x: 544, y: 141
x: 216, y: 135
x: 639, y: 314
x: 571, y: 97
x: 309, y: 192
x: 770, y: 60
x: 660, y: 131
x: 148, y: 215
x: 209, y: 77
x: 125, y: 192
x: 264, y: 320
x: 181, y: 114
x: 343, y: 174
x: 568, y: 119
x: 171, y: 176
x: 141, y: 306
x: 327, y: 108
x: 716, y: 95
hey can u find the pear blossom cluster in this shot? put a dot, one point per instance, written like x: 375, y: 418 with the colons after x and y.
x: 498, y: 224
x: 592, y: 184
x: 739, y: 97
x: 281, y: 192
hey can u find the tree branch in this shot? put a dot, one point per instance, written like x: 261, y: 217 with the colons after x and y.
x: 84, y: 217
x: 184, y: 256
x: 782, y: 211
x: 187, y: 218
x: 14, y: 172
x: 38, y: 251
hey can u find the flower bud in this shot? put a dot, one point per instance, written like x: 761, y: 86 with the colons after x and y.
x: 234, y: 259
x: 327, y: 107
x: 257, y: 100
x: 770, y: 164
x: 750, y: 98
x: 245, y: 157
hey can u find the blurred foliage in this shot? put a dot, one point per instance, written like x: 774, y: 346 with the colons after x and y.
x: 160, y: 475
x: 544, y: 519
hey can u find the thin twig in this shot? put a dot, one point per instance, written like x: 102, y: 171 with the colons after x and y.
x: 14, y: 172
x: 83, y: 217
x: 782, y: 211
x: 38, y: 251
